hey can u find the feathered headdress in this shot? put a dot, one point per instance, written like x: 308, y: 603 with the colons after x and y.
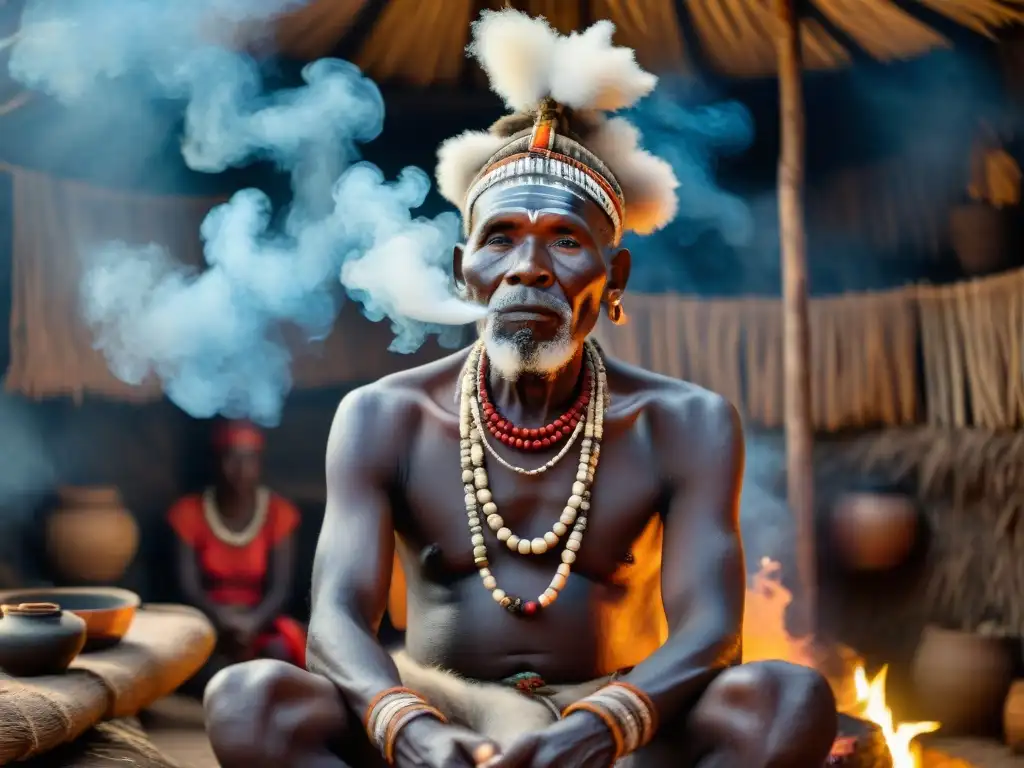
x: 559, y: 90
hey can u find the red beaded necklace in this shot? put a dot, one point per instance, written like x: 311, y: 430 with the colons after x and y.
x: 531, y: 439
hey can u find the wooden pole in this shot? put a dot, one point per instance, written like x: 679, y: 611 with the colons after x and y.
x: 796, y: 346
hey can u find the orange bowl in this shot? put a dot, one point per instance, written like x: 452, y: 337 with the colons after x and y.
x: 107, y: 611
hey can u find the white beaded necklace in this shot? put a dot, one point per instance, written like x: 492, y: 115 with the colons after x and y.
x: 479, y: 499
x: 248, y: 534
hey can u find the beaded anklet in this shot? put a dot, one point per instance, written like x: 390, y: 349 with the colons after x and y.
x: 390, y: 711
x: 626, y: 711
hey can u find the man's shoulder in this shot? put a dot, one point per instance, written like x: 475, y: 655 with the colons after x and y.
x: 694, y: 428
x: 678, y: 403
x: 404, y: 389
x: 375, y: 420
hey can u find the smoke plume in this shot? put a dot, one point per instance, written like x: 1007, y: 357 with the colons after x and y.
x: 215, y: 337
x: 691, y: 136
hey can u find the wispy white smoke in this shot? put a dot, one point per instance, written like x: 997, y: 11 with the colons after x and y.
x: 692, y: 139
x: 692, y: 136
x: 216, y: 337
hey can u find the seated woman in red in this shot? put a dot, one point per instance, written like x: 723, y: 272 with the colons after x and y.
x: 236, y: 552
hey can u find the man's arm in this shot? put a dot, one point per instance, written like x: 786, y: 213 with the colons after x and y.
x: 703, y: 578
x: 352, y: 566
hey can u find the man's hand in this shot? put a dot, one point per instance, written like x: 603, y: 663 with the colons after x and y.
x: 579, y: 741
x: 429, y: 743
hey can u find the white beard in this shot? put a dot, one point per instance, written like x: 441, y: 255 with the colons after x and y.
x: 511, y: 359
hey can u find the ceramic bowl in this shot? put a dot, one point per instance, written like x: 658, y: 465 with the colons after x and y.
x: 107, y: 611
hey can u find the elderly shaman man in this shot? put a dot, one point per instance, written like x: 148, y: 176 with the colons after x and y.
x: 544, y: 498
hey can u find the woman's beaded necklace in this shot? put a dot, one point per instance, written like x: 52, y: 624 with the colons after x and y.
x: 480, y: 501
x: 232, y: 538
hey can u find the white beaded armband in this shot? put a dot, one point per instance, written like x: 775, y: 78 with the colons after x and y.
x: 391, y: 711
x: 626, y: 710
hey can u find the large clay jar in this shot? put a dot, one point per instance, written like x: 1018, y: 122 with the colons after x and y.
x: 1013, y: 717
x: 91, y: 538
x: 961, y: 679
x: 39, y: 639
x: 874, y: 531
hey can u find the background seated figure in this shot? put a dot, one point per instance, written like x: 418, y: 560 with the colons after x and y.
x: 573, y: 613
x: 236, y: 544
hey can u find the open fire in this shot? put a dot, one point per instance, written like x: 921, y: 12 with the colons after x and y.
x: 899, y: 737
x: 765, y: 637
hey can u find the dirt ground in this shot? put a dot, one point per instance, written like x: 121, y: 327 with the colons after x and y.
x: 963, y: 753
x: 175, y: 726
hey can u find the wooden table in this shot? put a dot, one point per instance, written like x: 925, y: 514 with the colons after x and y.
x: 165, y: 646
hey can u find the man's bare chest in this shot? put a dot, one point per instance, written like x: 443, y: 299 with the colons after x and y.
x: 627, y: 492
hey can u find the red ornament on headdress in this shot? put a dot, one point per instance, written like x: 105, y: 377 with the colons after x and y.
x: 237, y: 434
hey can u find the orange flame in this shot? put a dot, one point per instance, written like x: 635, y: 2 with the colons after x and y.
x: 765, y: 637
x: 899, y: 737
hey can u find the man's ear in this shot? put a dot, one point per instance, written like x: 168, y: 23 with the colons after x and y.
x: 618, y: 271
x: 457, y: 252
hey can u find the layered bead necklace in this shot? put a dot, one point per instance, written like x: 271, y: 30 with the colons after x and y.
x: 480, y: 505
x: 252, y: 529
x: 530, y: 439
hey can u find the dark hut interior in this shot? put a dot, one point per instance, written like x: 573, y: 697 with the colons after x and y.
x: 915, y: 279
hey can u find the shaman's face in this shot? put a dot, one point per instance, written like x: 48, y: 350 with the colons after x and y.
x: 536, y: 257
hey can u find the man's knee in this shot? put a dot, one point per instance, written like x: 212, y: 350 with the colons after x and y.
x: 804, y: 692
x: 260, y: 712
x: 777, y: 710
x: 777, y: 684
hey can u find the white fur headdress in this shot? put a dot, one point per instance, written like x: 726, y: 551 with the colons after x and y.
x: 559, y: 89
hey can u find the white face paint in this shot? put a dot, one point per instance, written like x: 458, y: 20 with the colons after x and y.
x: 513, y: 349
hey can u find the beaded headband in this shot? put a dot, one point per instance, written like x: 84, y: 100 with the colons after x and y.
x: 542, y: 163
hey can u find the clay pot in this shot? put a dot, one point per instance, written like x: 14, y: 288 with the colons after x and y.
x: 980, y: 235
x: 874, y: 531
x: 39, y: 639
x: 91, y: 537
x: 1013, y: 717
x: 961, y: 679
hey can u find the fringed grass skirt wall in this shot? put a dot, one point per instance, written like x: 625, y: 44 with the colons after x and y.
x: 949, y: 355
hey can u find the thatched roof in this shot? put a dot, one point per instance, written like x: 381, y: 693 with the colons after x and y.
x: 421, y: 42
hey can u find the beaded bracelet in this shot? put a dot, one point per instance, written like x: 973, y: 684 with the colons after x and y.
x: 610, y: 721
x: 369, y: 717
x: 390, y: 711
x: 626, y: 711
x: 402, y: 719
x: 642, y: 705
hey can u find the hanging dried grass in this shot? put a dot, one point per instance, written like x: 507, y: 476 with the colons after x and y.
x: 972, y: 336
x: 862, y: 346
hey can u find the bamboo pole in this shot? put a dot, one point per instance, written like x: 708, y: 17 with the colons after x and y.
x: 796, y: 345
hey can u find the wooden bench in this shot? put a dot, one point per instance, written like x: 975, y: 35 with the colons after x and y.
x: 88, y: 713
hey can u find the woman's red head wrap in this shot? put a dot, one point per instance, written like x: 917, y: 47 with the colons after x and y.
x: 237, y: 434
